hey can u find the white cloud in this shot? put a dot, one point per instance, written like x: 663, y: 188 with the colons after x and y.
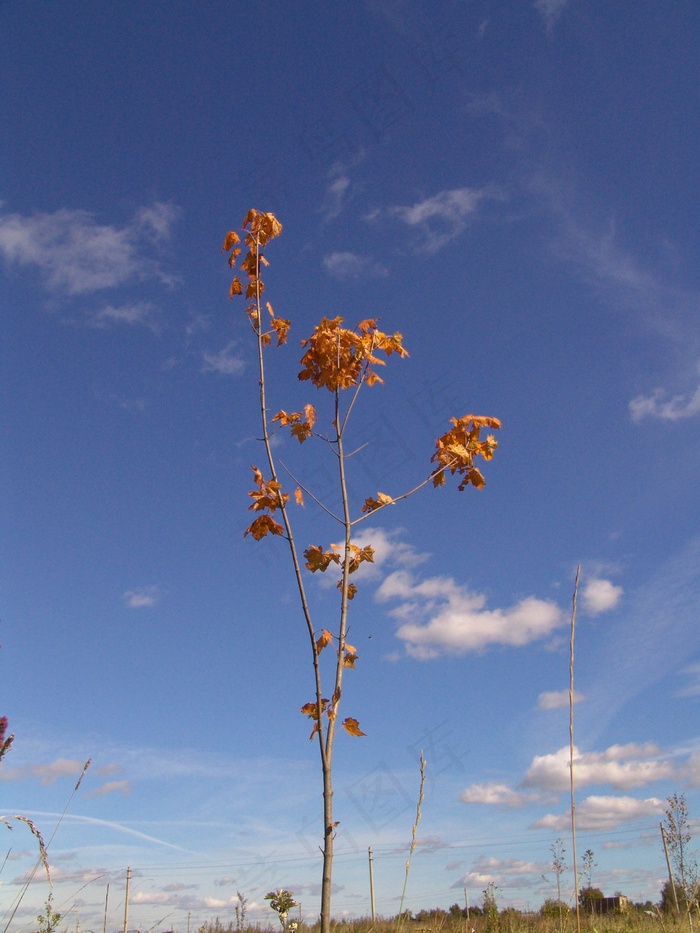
x: 61, y: 767
x: 143, y: 597
x: 226, y: 362
x: 550, y: 11
x: 599, y: 813
x: 388, y: 550
x: 497, y: 795
x: 77, y: 255
x: 556, y: 699
x: 444, y: 216
x: 510, y: 866
x: 439, y: 616
x: 692, y: 688
x: 673, y: 409
x: 335, y: 195
x: 113, y: 787
x: 353, y: 266
x: 622, y: 766
x: 132, y: 314
x: 600, y: 596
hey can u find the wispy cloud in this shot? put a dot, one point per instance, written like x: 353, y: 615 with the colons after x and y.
x: 141, y: 598
x: 225, y: 362
x: 77, y: 255
x: 692, y: 687
x: 620, y: 766
x: 600, y: 258
x: 658, y: 405
x: 108, y: 824
x: 59, y: 768
x: 439, y: 616
x: 600, y: 596
x: 353, y: 266
x: 556, y: 699
x: 335, y: 197
x: 112, y: 787
x: 139, y: 314
x: 599, y: 813
x: 550, y: 11
x: 444, y: 216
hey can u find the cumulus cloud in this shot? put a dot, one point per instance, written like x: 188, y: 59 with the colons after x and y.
x: 226, y: 362
x: 439, y: 616
x: 141, y: 598
x: 497, y: 795
x: 77, y: 255
x: 623, y: 766
x: 657, y: 405
x: 556, y: 699
x: 353, y: 266
x: 600, y: 596
x: 444, y: 216
x: 599, y: 813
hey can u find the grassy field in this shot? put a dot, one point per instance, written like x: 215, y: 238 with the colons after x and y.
x: 508, y: 921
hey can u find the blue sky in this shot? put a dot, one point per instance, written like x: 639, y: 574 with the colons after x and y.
x: 513, y: 187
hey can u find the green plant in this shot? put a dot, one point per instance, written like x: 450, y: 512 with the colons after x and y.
x: 678, y: 838
x: 49, y: 919
x: 340, y: 361
x: 589, y: 863
x: 240, y: 909
x: 490, y: 908
x: 281, y: 902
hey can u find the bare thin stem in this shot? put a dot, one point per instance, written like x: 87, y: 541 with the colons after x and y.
x: 308, y: 492
x: 414, y: 837
x: 571, y: 744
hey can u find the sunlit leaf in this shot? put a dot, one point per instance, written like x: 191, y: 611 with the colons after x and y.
x: 262, y: 526
x: 230, y: 240
x: 352, y: 727
x: 324, y: 639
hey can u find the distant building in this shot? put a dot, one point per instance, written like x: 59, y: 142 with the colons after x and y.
x: 618, y: 904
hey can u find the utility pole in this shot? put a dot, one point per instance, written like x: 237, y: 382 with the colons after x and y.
x: 670, y: 872
x: 371, y: 882
x: 126, y: 900
x: 104, y: 925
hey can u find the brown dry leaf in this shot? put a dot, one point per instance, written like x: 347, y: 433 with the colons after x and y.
x: 318, y: 559
x: 230, y: 240
x: 350, y: 656
x: 325, y: 638
x: 352, y: 727
x: 262, y: 526
x: 299, y: 497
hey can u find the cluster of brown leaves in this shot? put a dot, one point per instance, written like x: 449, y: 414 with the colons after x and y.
x: 318, y: 559
x: 351, y: 726
x: 455, y: 450
x: 302, y: 425
x: 349, y: 652
x: 262, y: 229
x: 338, y: 357
x: 371, y: 504
x: 267, y: 498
